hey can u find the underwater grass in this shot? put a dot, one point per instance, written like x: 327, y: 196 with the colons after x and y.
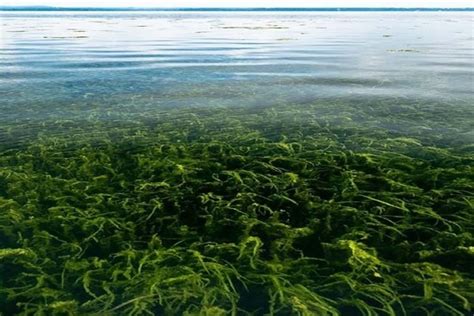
x: 271, y: 211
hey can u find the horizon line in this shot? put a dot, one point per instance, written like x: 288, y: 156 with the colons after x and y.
x: 54, y: 8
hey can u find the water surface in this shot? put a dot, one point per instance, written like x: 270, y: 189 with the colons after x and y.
x: 119, y: 65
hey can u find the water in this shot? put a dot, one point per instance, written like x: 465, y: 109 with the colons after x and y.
x: 119, y: 66
x: 236, y: 163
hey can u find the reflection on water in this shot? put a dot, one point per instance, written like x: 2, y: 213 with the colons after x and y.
x: 68, y: 65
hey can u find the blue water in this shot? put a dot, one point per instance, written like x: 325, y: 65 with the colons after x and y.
x: 118, y: 65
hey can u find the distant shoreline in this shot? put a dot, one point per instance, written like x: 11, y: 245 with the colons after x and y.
x: 34, y: 8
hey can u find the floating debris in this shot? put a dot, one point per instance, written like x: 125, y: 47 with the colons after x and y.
x: 255, y: 27
x: 406, y: 50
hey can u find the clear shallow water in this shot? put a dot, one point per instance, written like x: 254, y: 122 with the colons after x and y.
x: 211, y: 164
x: 115, y: 66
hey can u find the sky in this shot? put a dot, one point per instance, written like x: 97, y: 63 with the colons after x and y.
x: 243, y: 3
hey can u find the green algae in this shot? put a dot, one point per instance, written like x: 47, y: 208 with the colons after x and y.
x: 271, y: 211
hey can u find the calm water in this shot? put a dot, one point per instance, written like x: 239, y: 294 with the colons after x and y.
x: 112, y: 65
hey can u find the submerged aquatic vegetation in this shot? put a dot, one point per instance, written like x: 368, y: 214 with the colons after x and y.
x: 285, y: 210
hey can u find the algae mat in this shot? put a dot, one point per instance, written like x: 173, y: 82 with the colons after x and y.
x: 233, y: 211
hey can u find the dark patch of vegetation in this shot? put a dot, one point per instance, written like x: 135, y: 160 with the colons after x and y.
x: 231, y: 211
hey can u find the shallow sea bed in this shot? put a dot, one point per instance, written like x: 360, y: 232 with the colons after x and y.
x: 234, y: 210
